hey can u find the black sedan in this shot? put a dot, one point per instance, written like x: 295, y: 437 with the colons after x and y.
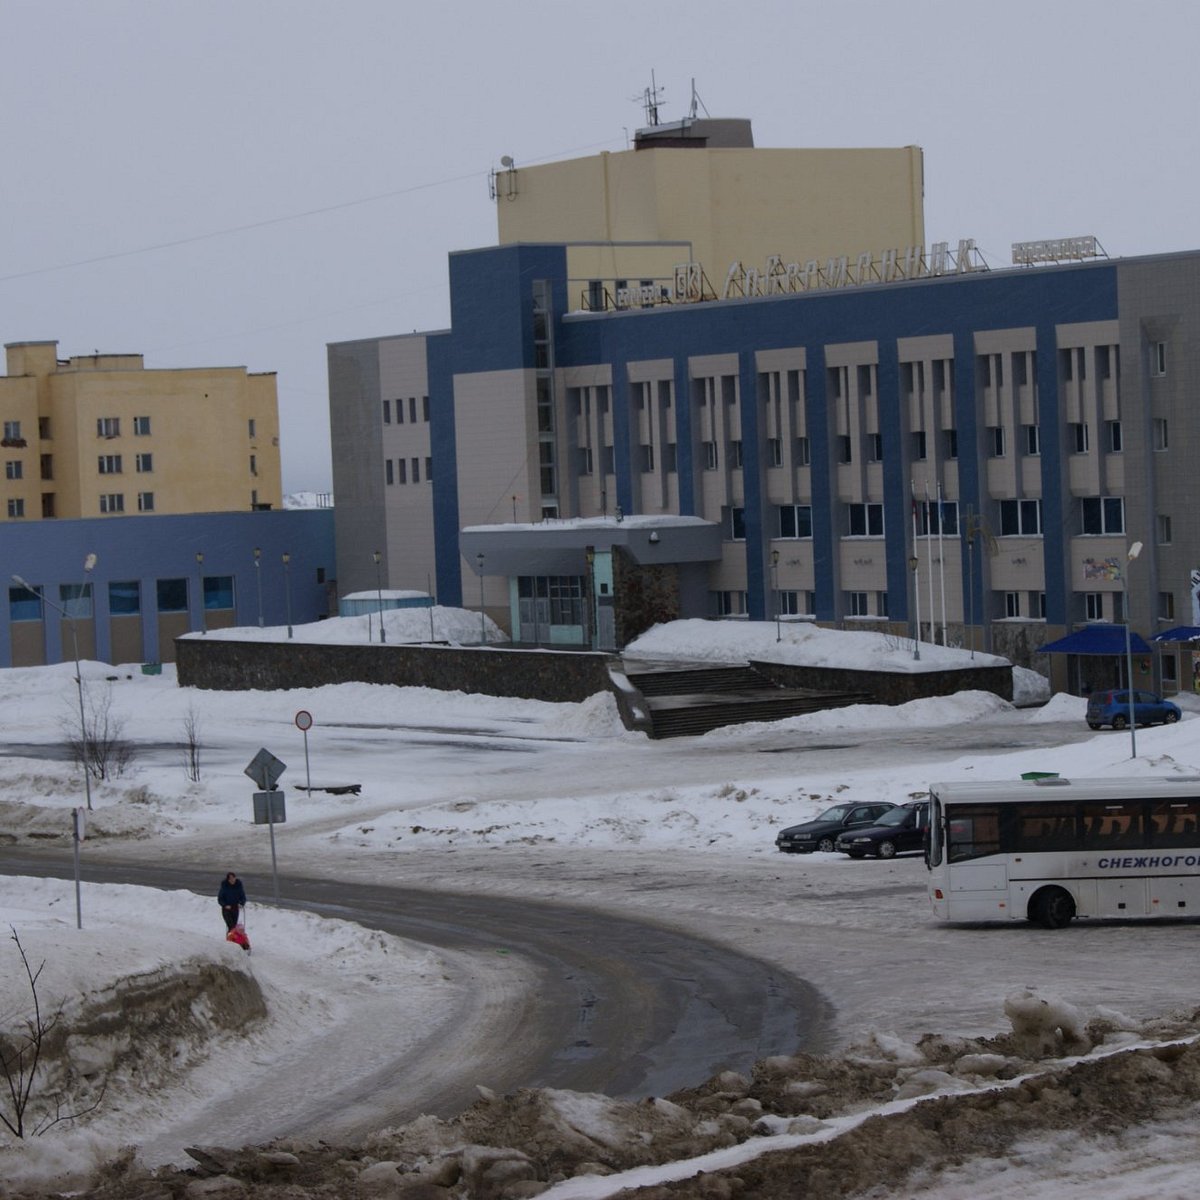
x: 901, y: 828
x: 821, y: 834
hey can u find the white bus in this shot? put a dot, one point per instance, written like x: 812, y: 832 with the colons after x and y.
x: 1048, y: 850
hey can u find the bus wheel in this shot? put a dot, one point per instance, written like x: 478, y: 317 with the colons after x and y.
x: 1052, y: 908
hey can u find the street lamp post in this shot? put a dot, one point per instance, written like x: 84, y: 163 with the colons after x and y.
x: 287, y: 589
x: 1131, y: 554
x: 378, y: 558
x: 775, y: 590
x: 258, y: 582
x: 482, y: 628
x: 200, y: 589
x: 89, y: 563
x: 915, y: 562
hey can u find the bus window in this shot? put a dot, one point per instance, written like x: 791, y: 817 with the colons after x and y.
x: 1175, y: 823
x: 1043, y: 826
x: 971, y: 832
x: 1111, y: 826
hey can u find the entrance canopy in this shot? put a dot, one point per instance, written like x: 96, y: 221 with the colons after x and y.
x: 1181, y: 633
x: 1097, y: 639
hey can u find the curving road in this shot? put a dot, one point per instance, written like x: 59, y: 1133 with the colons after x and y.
x: 618, y: 1006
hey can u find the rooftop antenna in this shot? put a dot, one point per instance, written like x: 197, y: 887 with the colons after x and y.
x: 650, y: 99
x: 697, y: 103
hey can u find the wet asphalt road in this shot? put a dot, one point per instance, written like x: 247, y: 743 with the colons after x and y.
x: 622, y: 1007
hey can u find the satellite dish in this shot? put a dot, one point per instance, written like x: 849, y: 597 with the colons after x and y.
x: 506, y: 161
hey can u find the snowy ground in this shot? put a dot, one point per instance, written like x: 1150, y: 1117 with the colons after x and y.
x: 557, y: 801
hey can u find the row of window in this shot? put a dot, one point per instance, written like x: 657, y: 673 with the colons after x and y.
x: 124, y: 598
x: 106, y: 427
x: 397, y: 407
x: 400, y: 471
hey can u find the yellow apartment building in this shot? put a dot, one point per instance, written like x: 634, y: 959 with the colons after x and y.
x: 100, y: 435
x: 699, y: 194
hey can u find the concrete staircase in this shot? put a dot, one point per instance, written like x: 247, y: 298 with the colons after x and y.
x: 685, y: 699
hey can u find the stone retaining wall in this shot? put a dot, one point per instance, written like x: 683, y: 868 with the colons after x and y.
x: 892, y: 687
x: 221, y: 665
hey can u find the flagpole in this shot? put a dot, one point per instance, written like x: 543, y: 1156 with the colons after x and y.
x: 942, y: 558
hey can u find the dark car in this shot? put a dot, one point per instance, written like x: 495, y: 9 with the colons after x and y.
x: 1112, y: 708
x: 899, y: 829
x: 821, y: 834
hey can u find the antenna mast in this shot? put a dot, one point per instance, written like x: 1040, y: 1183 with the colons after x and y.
x: 650, y: 100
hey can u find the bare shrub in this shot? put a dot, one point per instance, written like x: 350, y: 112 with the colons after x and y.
x: 100, y: 745
x: 191, y: 743
x: 23, y: 1110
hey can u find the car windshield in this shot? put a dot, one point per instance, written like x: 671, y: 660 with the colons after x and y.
x: 836, y: 813
x: 894, y: 816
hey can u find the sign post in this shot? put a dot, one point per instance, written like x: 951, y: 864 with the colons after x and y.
x: 265, y: 769
x: 304, y: 724
x: 79, y: 832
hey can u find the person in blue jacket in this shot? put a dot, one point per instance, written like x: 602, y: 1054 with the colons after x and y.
x: 232, y: 899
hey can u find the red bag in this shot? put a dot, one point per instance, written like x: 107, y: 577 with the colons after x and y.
x: 238, y: 934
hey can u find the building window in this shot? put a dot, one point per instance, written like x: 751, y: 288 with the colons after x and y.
x: 856, y: 604
x: 44, y: 428
x: 172, y: 595
x: 13, y: 469
x: 75, y: 599
x: 251, y: 427
x: 144, y: 463
x: 124, y: 598
x: 950, y: 443
x: 16, y: 507
x: 145, y: 501
x: 1166, y: 606
x: 387, y: 412
x: 1162, y: 528
x: 1077, y: 435
x: 108, y: 427
x: 47, y: 465
x: 218, y: 592
x: 937, y: 517
x: 399, y: 410
x: 735, y: 454
x: 110, y: 464
x: 647, y: 451
x: 389, y: 473
x: 1103, y: 514
x: 412, y: 410
x: 795, y: 520
x: 141, y: 427
x: 1093, y: 606
x: 1170, y: 669
x: 12, y: 431
x: 416, y: 472
x: 1116, y: 437
x: 1038, y: 605
x: 608, y: 460
x: 995, y: 441
x: 735, y: 525
x: 1012, y: 604
x: 1161, y: 439
x: 881, y: 604
x: 585, y: 460
x: 864, y: 520
x: 1033, y: 439
x: 874, y: 447
x: 845, y: 449
x: 24, y: 605
x: 401, y: 470
x: 254, y: 464
x: 787, y: 604
x: 774, y: 452
x: 428, y: 468
x: 729, y: 604
x: 710, y: 456
x: 1020, y: 518
x: 1158, y: 358
x: 112, y: 502
x: 803, y: 452
x: 918, y: 446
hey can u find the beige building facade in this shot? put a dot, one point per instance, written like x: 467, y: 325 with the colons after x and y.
x: 100, y: 435
x: 699, y: 194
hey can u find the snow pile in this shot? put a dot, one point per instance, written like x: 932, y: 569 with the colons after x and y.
x: 801, y: 643
x: 458, y: 626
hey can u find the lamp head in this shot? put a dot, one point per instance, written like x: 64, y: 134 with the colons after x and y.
x: 89, y: 562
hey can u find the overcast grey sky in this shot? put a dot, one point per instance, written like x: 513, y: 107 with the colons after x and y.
x: 243, y: 182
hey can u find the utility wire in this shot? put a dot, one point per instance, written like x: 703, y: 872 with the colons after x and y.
x: 269, y: 221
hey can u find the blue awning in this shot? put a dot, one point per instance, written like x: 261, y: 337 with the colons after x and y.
x: 1097, y: 639
x: 1181, y: 633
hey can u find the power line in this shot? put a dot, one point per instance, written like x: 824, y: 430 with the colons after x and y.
x: 269, y: 221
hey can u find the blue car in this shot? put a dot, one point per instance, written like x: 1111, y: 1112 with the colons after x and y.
x: 1112, y: 708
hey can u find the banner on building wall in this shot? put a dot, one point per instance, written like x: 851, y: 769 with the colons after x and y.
x: 1102, y: 568
x: 1194, y: 589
